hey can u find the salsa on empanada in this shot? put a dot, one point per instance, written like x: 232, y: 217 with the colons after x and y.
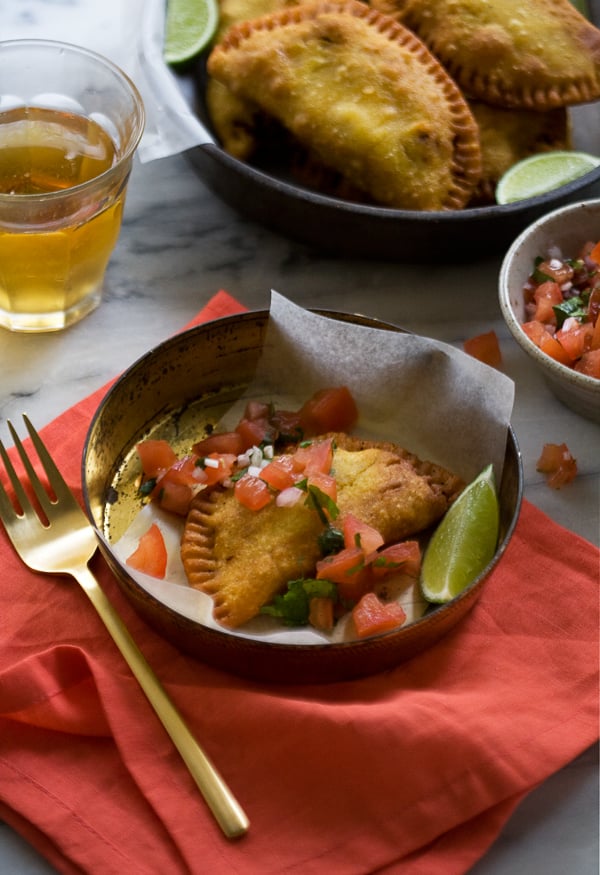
x: 363, y: 95
x: 243, y: 557
x: 537, y: 54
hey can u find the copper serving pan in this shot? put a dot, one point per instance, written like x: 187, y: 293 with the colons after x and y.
x: 173, y: 392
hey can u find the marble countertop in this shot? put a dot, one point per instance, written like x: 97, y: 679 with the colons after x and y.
x: 178, y: 246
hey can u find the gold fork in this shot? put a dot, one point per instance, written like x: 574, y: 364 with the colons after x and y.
x: 65, y: 545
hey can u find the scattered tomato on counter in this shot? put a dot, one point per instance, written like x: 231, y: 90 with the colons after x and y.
x: 558, y: 464
x: 562, y: 302
x: 485, y: 348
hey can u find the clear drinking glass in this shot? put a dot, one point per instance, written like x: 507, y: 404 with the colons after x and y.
x: 70, y: 122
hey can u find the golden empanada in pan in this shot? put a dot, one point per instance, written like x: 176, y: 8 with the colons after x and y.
x: 533, y: 54
x: 363, y: 95
x: 509, y: 135
x: 237, y: 122
x: 242, y: 558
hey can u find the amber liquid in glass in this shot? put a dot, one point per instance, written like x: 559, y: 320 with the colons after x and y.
x: 54, y: 256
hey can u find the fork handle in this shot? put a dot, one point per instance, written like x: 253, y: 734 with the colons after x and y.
x: 224, y: 806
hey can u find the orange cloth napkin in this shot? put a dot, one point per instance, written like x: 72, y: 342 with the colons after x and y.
x: 414, y: 770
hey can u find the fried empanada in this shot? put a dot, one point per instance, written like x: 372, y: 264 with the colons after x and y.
x: 242, y: 558
x: 509, y: 135
x: 538, y: 54
x: 237, y: 122
x: 363, y: 95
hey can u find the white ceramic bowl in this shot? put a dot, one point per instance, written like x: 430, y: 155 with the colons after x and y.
x: 568, y: 227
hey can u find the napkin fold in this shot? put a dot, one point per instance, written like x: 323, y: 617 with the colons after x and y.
x: 414, y: 770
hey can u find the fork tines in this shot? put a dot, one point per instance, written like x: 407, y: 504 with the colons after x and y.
x: 45, y: 497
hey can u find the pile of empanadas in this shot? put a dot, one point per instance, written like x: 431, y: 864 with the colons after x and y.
x: 409, y: 104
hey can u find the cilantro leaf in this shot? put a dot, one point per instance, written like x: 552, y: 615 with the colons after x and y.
x: 331, y: 541
x: 293, y: 606
x: 321, y: 502
x: 571, y: 307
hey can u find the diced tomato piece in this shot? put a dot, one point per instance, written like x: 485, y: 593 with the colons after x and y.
x: 155, y: 456
x: 546, y: 341
x: 252, y: 492
x: 595, y: 253
x: 325, y: 483
x: 176, y: 486
x: 558, y: 270
x: 594, y: 314
x: 553, y: 348
x: 320, y: 613
x: 315, y: 457
x: 557, y: 462
x: 257, y: 410
x: 150, y: 556
x: 331, y: 409
x: 485, y: 348
x: 227, y: 442
x: 339, y: 566
x: 359, y: 534
x: 542, y: 338
x: 175, y: 497
x: 254, y: 432
x: 287, y: 425
x: 546, y: 296
x: 372, y: 616
x: 534, y: 330
x: 405, y: 556
x: 280, y: 473
x: 225, y: 464
x: 550, y: 458
x: 589, y: 363
x: 184, y: 470
x: 575, y: 337
x: 347, y: 569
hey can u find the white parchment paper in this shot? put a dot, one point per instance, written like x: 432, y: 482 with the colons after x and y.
x: 424, y: 395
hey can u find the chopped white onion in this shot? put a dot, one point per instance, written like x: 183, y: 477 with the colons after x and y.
x: 288, y: 497
x: 211, y: 463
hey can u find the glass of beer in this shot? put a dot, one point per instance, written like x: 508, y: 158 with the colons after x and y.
x: 70, y: 122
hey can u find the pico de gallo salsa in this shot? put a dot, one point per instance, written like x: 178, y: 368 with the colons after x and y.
x: 562, y: 302
x: 355, y: 562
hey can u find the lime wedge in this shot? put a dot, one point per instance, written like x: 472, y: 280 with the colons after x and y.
x: 464, y: 541
x: 541, y: 173
x: 189, y: 27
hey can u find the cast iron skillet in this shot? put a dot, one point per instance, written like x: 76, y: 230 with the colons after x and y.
x: 337, y: 227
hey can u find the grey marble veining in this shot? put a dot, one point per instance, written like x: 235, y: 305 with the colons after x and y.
x: 179, y: 244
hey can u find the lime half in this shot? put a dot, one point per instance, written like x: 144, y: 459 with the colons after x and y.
x: 189, y: 27
x: 541, y: 173
x: 464, y: 541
